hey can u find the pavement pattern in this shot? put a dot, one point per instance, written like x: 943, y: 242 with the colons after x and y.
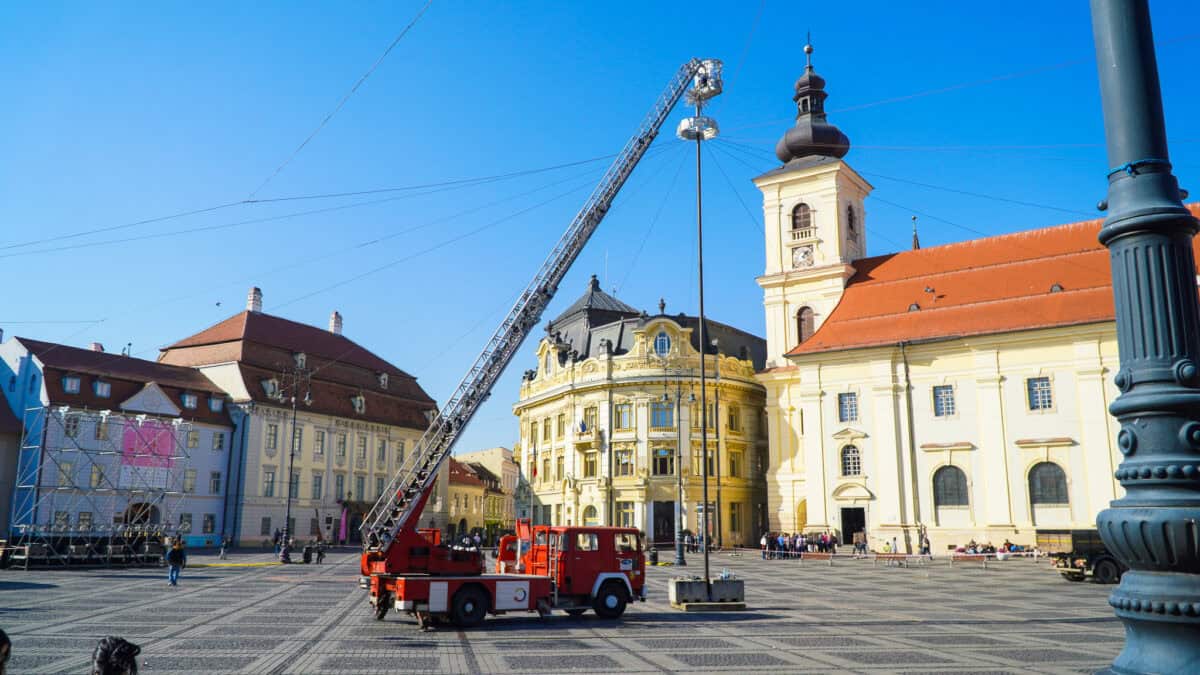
x: 852, y: 617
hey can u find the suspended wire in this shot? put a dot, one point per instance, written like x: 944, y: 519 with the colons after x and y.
x: 342, y: 102
x: 653, y: 221
x: 737, y: 68
x: 111, y: 228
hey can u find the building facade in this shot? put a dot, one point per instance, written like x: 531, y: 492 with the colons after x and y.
x: 112, y: 442
x: 356, y: 416
x: 958, y: 391
x: 468, y: 495
x: 499, y: 461
x: 612, y: 413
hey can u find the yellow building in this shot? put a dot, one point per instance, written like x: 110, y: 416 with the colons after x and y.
x: 600, y: 440
x: 957, y: 391
x: 467, y: 500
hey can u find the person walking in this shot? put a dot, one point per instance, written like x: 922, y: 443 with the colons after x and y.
x: 320, y: 552
x: 224, y: 548
x: 275, y: 540
x: 115, y: 656
x: 763, y: 544
x: 176, y: 559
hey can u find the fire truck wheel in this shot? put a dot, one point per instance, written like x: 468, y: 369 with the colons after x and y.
x: 578, y: 611
x: 610, y: 602
x: 1107, y: 572
x: 470, y: 607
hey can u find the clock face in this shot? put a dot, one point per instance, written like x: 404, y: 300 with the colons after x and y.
x: 802, y: 256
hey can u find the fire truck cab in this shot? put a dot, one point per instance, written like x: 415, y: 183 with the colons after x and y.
x: 559, y: 567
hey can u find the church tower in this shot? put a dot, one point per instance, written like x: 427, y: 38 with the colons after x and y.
x: 814, y: 221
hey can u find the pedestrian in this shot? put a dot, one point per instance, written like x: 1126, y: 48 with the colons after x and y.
x: 176, y: 559
x: 224, y: 546
x: 5, y: 651
x: 763, y: 544
x: 275, y: 540
x: 115, y: 656
x: 895, y: 546
x: 320, y: 552
x: 478, y: 540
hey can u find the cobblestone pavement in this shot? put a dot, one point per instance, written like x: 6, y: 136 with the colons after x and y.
x: 1013, y: 617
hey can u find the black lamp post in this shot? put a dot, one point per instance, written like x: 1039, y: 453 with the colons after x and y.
x: 292, y: 381
x: 1149, y: 235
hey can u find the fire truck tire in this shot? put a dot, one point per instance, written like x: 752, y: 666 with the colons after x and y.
x: 577, y: 611
x: 610, y: 601
x: 470, y: 607
x: 1107, y: 572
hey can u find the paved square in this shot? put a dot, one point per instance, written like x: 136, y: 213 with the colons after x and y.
x: 854, y: 617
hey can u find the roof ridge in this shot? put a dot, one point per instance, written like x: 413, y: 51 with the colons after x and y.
x: 975, y: 303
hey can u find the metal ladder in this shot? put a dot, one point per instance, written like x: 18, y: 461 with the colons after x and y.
x: 395, y: 508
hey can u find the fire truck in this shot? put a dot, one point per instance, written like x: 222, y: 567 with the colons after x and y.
x: 553, y: 567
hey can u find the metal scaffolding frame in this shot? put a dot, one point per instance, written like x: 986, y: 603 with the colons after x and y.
x: 98, y: 487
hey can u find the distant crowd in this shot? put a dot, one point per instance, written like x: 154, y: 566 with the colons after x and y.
x: 783, y: 545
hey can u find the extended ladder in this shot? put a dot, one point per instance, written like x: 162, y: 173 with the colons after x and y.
x: 415, y: 478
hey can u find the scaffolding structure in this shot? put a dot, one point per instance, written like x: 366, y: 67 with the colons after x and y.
x: 99, y: 487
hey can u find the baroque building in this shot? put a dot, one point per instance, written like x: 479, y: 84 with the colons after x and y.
x: 611, y: 414
x: 356, y: 418
x: 959, y: 391
x: 501, y: 507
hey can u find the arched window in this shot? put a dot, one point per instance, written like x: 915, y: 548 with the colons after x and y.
x: 801, y: 217
x: 1047, y: 484
x: 662, y: 343
x: 804, y: 324
x: 851, y: 222
x: 950, y: 487
x: 589, y: 516
x: 851, y: 461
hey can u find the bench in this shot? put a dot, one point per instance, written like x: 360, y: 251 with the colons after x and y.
x: 981, y: 558
x: 816, y: 557
x: 899, y: 559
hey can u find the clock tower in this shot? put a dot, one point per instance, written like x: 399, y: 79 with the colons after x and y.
x: 813, y: 221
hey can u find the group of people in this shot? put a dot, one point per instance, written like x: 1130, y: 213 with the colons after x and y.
x: 694, y: 543
x: 781, y: 545
x: 112, y: 656
x: 1006, y: 547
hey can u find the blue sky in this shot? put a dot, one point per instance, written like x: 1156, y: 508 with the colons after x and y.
x: 121, y: 112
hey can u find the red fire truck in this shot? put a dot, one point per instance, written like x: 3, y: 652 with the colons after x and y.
x: 569, y: 568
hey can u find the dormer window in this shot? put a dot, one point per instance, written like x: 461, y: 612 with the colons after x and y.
x: 70, y: 384
x: 301, y: 359
x: 383, y: 380
x: 271, y: 387
x: 215, y: 404
x: 190, y: 401
x: 102, y: 389
x: 662, y: 343
x: 359, y: 403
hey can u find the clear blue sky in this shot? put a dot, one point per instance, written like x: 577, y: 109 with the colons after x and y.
x: 118, y: 113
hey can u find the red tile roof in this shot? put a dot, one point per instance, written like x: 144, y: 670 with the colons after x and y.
x: 991, y: 285
x: 461, y: 474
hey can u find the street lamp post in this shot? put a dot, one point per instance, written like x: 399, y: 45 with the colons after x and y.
x: 1149, y: 235
x: 290, y: 385
x: 680, y: 561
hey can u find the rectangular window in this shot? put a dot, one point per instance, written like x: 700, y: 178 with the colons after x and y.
x: 848, y: 407
x: 272, y: 436
x: 378, y: 487
x: 712, y: 415
x: 546, y: 429
x: 625, y: 514
x: 589, y: 418
x: 735, y: 464
x: 190, y: 401
x: 560, y: 425
x: 734, y: 415
x: 361, y: 449
x: 185, y: 522
x: 590, y: 463
x: 735, y: 517
x: 623, y: 416
x: 189, y: 480
x: 66, y: 474
x: 625, y: 464
x: 71, y: 426
x: 294, y: 485
x: 268, y: 482
x: 664, y: 461
x: 559, y: 465
x: 62, y: 520
x: 360, y: 487
x: 341, y: 446
x: 698, y: 457
x: 102, y: 389
x: 339, y: 486
x: 587, y: 541
x: 399, y: 452
x: 193, y: 439
x: 218, y: 440
x: 317, y: 479
x: 215, y: 404
x: 662, y: 415
x: 558, y: 514
x: 381, y: 453
x: 214, y: 482
x: 97, y: 476
x: 298, y: 440
x: 265, y: 528
x: 943, y: 400
x: 210, y: 523
x: 533, y: 433
x: 1040, y: 395
x: 84, y: 520
x: 102, y: 429
x: 319, y: 443
x: 71, y: 385
x: 545, y: 468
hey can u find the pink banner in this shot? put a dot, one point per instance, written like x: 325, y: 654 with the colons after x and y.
x: 342, y: 532
x: 150, y: 445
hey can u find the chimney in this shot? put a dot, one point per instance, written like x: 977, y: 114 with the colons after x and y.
x: 97, y: 347
x: 254, y: 300
x: 335, y: 323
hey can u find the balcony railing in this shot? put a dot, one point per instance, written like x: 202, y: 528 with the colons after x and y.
x: 804, y: 233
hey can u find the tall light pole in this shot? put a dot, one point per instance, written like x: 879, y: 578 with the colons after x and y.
x: 1149, y: 235
x: 717, y: 438
x: 291, y: 381
x: 699, y: 129
x: 680, y: 561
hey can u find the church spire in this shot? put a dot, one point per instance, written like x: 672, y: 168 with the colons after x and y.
x: 812, y: 135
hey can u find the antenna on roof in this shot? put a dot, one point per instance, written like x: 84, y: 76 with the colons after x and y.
x: 916, y: 241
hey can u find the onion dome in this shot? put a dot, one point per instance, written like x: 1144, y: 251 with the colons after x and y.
x: 812, y: 135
